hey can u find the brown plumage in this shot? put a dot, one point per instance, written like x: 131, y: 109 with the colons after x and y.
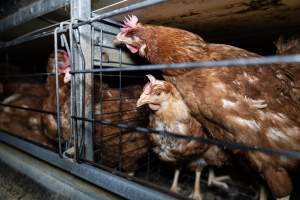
x: 254, y: 105
x: 170, y: 113
x: 14, y: 79
x: 288, y: 46
x: 111, y: 144
x: 26, y: 87
x: 27, y: 93
x: 116, y: 147
x: 24, y: 123
x: 49, y: 121
x: 291, y: 46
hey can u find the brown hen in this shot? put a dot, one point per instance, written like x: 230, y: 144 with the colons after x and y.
x: 24, y: 123
x: 251, y: 105
x: 170, y: 113
x: 117, y: 147
x: 49, y: 121
x: 289, y: 47
x: 113, y: 147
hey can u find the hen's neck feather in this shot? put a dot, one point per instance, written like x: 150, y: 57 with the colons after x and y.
x: 170, y: 45
x: 173, y: 110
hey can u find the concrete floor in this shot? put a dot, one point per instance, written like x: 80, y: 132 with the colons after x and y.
x: 42, y: 181
x: 16, y: 186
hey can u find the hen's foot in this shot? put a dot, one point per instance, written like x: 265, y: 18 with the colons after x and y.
x: 131, y: 174
x: 284, y: 198
x: 263, y: 193
x: 195, y: 196
x: 69, y: 154
x: 217, y: 181
x: 174, y: 187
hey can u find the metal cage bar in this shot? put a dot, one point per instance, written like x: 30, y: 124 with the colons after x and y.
x: 57, y: 100
x: 82, y: 28
x: 206, y: 64
x: 116, y: 184
x: 34, y: 10
x: 81, y: 10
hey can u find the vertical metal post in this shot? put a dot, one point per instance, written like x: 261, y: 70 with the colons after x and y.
x: 57, y: 93
x: 81, y: 10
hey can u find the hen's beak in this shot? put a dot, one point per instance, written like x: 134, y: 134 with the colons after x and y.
x: 118, y: 39
x: 142, y: 100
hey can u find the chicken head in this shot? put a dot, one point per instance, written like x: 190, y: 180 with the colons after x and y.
x: 156, y: 93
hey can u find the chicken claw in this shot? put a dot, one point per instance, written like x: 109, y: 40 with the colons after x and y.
x: 131, y: 174
x: 196, y: 195
x: 69, y: 153
x: 263, y: 195
x: 174, y: 187
x: 217, y: 181
x: 284, y: 198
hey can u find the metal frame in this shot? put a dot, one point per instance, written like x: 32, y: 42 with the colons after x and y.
x: 118, y: 11
x: 267, y: 60
x: 116, y: 184
x: 33, y: 10
x: 82, y: 59
x: 81, y: 30
x: 56, y: 181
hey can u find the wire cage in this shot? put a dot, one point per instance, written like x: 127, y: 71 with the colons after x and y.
x: 90, y: 124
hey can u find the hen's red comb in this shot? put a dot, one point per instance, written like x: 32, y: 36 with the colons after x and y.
x: 130, y: 22
x: 147, y: 88
x: 151, y: 78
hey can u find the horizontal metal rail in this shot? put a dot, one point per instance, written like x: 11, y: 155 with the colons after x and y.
x: 119, y: 11
x: 58, y: 182
x: 120, y: 99
x: 116, y: 184
x: 28, y: 109
x: 103, y: 31
x: 106, y: 46
x: 29, y: 38
x: 244, y: 62
x: 211, y: 141
x: 120, y: 111
x: 31, y: 11
x: 43, y: 32
x: 26, y: 75
x: 123, y: 76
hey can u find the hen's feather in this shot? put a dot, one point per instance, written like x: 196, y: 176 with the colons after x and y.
x: 257, y: 105
x: 24, y: 123
x: 114, y: 147
x: 174, y: 116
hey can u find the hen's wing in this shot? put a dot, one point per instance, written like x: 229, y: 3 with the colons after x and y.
x: 49, y: 104
x: 119, y: 147
x: 24, y: 123
x: 255, y: 106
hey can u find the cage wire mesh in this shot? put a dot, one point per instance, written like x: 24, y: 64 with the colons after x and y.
x: 119, y: 142
x: 120, y: 135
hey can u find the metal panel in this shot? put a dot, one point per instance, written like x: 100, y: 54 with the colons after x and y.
x: 56, y: 181
x: 81, y: 10
x: 31, y: 11
x: 116, y: 184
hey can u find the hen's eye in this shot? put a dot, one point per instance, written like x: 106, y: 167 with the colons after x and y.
x: 158, y: 94
x: 130, y: 33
